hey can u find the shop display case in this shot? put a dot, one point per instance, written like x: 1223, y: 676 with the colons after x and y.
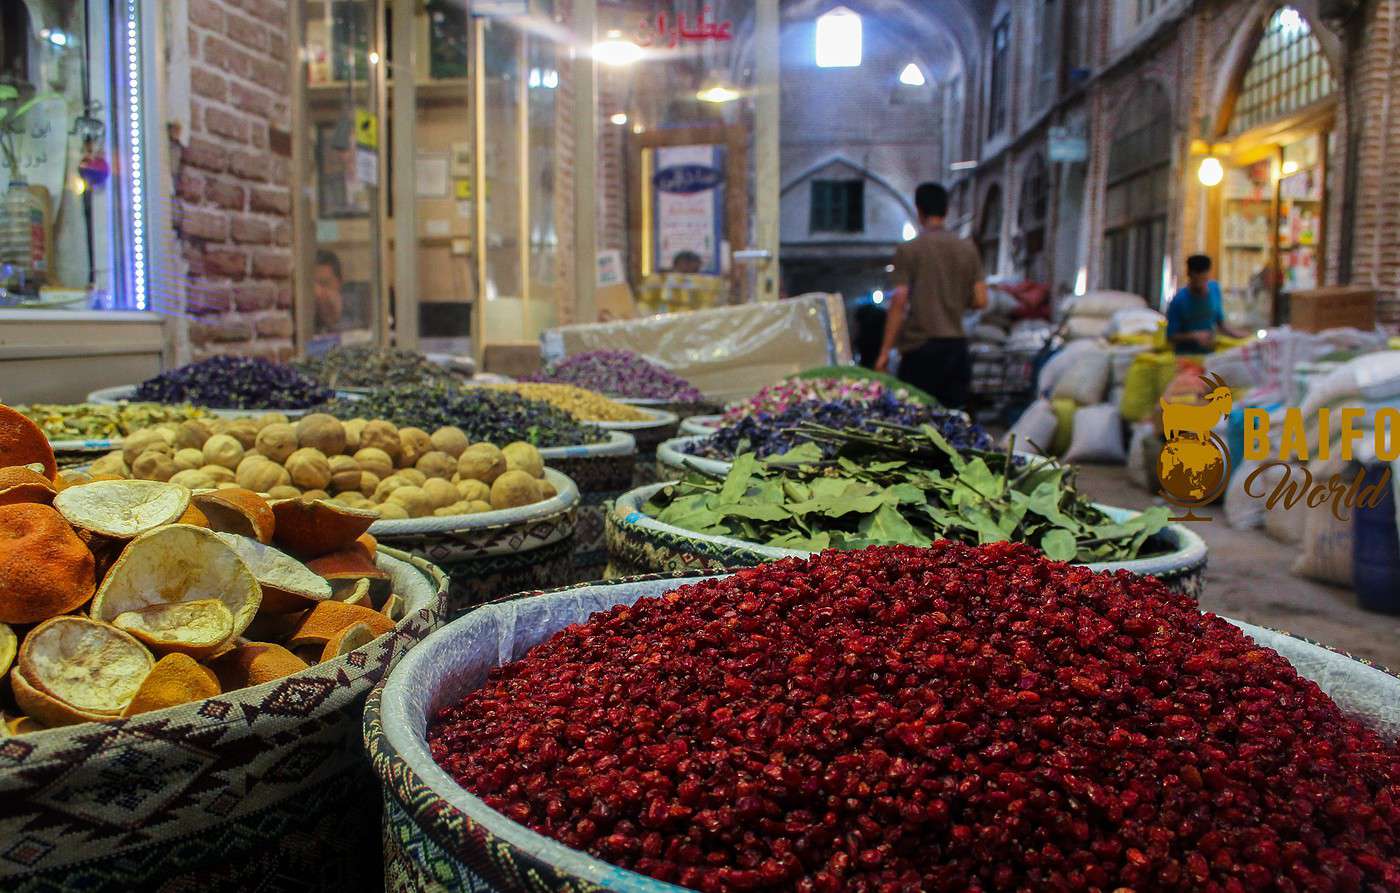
x: 77, y: 275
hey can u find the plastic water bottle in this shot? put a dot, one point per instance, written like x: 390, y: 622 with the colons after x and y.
x: 21, y: 238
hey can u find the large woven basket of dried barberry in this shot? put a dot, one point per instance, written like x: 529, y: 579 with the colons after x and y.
x: 945, y: 718
x: 184, y: 676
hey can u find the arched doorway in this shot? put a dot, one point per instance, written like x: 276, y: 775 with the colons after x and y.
x: 1277, y: 119
x: 989, y: 231
x: 1135, y: 197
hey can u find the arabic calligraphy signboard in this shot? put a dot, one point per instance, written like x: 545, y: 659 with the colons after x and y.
x: 688, y: 198
x: 673, y: 30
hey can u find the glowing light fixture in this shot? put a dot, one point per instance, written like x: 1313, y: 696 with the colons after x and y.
x: 135, y: 158
x: 908, y: 232
x: 616, y: 51
x: 912, y: 76
x: 717, y: 93
x: 619, y: 119
x: 373, y: 58
x: 55, y: 36
x: 1211, y: 171
x: 1262, y: 333
x: 1290, y: 168
x: 1081, y: 281
x: 551, y: 79
x: 962, y: 166
x: 535, y: 78
x: 637, y: 128
x: 839, y: 39
x: 1289, y: 19
x: 877, y: 296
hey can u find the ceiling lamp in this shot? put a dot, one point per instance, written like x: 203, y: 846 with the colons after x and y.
x: 1211, y: 171
x: 717, y: 93
x: 616, y: 51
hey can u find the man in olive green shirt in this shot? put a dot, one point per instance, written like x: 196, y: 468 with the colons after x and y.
x: 938, y: 277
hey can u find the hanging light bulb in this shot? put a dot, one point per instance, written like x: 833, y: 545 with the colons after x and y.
x: 1211, y: 171
x: 616, y: 51
x: 717, y: 93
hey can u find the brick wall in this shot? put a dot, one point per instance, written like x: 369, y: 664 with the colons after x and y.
x: 232, y: 176
x: 1376, y: 251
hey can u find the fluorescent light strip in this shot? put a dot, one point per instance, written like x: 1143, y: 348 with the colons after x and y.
x: 137, y: 160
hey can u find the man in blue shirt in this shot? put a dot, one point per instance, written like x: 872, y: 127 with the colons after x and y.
x: 1194, y: 314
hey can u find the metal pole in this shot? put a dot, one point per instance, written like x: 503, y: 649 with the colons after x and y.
x: 767, y: 166
x: 585, y: 162
x: 404, y: 110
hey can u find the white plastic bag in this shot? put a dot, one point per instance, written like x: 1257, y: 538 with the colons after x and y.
x: 1098, y: 435
x: 1135, y: 321
x: 1144, y: 450
x: 1086, y: 381
x: 1287, y: 524
x: 1035, y: 429
x: 1061, y: 363
x: 1243, y: 511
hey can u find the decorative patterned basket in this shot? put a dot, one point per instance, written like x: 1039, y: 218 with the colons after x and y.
x: 649, y: 435
x: 438, y: 836
x: 495, y: 553
x: 602, y: 471
x: 638, y: 543
x: 265, y: 788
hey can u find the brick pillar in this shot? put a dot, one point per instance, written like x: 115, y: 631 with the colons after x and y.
x: 232, y: 179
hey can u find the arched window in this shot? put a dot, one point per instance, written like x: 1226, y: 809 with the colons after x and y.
x: 1287, y: 73
x: 1031, y: 212
x: 989, y: 233
x: 1135, y: 201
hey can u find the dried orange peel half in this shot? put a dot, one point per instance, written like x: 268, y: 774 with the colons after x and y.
x: 122, y: 509
x: 175, y: 679
x: 194, y: 628
x: 309, y: 528
x: 22, y: 484
x: 73, y: 669
x: 288, y: 585
x: 328, y: 619
x: 175, y: 564
x: 347, y: 640
x: 23, y: 442
x: 8, y: 646
x: 240, y: 511
x: 45, y: 568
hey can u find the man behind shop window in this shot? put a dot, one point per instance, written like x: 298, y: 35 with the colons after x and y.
x: 937, y: 277
x: 1195, y: 314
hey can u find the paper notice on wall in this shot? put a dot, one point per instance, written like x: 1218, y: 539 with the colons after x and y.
x: 688, y: 198
x: 464, y: 209
x: 437, y: 228
x: 431, y: 172
x: 367, y: 167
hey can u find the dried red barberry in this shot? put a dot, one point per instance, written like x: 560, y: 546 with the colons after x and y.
x: 948, y: 718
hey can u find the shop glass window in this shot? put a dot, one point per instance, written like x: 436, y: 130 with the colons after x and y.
x: 1139, y: 170
x: 838, y: 206
x: 1288, y: 72
x: 998, y: 99
x: 66, y: 215
x: 989, y: 233
x: 1031, y: 212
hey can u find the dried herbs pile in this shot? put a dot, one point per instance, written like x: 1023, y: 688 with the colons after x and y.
x: 901, y: 486
x: 234, y: 383
x: 780, y: 397
x: 102, y: 421
x: 768, y: 434
x: 950, y: 718
x: 362, y: 366
x: 620, y: 373
x: 860, y: 373
x: 481, y: 413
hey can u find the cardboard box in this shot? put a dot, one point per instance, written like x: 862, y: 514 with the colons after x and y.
x: 514, y: 359
x: 1333, y: 307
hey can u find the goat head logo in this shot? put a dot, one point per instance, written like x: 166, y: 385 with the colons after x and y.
x: 1195, y: 463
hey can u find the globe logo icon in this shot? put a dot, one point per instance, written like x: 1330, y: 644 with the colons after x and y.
x: 1194, y: 465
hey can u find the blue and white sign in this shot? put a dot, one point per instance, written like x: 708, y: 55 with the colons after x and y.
x: 688, y: 206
